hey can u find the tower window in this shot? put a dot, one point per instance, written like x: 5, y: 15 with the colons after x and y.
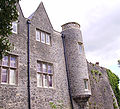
x: 80, y: 47
x: 86, y: 84
x: 44, y: 74
x: 8, y: 70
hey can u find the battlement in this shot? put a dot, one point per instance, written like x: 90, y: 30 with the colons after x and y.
x: 70, y: 25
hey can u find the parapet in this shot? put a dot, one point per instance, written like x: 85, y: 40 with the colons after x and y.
x: 70, y: 25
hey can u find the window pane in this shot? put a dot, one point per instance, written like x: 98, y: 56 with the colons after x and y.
x: 42, y: 37
x: 45, y: 82
x: 39, y: 67
x: 14, y: 27
x: 50, y: 81
x: 12, y: 78
x: 49, y: 69
x: 4, y: 75
x: 80, y: 48
x: 12, y: 62
x: 39, y: 80
x: 86, y: 84
x: 37, y: 35
x: 5, y: 61
x: 44, y: 68
x: 47, y: 39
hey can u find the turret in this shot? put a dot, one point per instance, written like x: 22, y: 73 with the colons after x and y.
x: 76, y: 63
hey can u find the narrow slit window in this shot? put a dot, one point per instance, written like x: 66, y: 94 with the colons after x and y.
x: 86, y: 84
x: 80, y: 47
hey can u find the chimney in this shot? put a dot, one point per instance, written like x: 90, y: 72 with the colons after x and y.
x: 97, y: 63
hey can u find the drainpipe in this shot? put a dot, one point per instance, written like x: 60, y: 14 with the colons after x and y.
x: 28, y: 62
x: 63, y: 39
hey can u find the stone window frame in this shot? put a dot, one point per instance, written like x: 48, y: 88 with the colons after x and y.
x: 86, y: 84
x: 16, y: 25
x: 80, y: 47
x: 8, y: 67
x: 45, y: 73
x: 40, y: 37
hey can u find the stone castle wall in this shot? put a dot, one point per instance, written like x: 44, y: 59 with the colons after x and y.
x: 102, y: 93
x: 16, y: 96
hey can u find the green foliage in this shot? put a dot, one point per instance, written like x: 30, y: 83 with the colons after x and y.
x: 114, y: 104
x: 8, y: 14
x: 96, y: 72
x: 114, y: 82
x: 58, y: 105
x: 100, y: 73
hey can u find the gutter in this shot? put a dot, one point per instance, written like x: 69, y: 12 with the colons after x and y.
x: 69, y: 88
x: 28, y: 62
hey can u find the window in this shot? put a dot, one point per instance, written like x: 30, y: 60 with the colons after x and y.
x: 37, y: 35
x: 47, y: 39
x: 80, y: 47
x: 86, y: 84
x: 8, y: 70
x: 44, y: 74
x: 14, y: 27
x: 43, y: 37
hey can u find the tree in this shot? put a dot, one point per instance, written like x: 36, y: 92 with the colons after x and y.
x: 8, y: 14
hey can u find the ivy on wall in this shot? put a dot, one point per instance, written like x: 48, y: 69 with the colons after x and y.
x: 114, y: 82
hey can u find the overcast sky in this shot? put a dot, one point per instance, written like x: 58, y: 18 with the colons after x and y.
x: 100, y: 25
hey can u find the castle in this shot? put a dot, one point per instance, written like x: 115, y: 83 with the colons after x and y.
x: 45, y: 65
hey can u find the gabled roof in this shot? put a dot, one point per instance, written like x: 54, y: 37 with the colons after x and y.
x: 20, y: 10
x: 41, y: 11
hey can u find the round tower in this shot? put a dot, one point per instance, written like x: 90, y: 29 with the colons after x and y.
x: 76, y: 63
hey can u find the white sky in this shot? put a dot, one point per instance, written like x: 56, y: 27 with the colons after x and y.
x: 100, y: 25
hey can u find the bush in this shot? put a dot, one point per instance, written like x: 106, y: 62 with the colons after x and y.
x: 114, y: 82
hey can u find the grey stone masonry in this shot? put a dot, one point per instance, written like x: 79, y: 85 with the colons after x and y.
x: 76, y: 62
x: 50, y: 80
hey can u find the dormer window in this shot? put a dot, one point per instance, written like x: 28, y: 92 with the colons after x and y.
x: 43, y: 37
x: 14, y: 27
